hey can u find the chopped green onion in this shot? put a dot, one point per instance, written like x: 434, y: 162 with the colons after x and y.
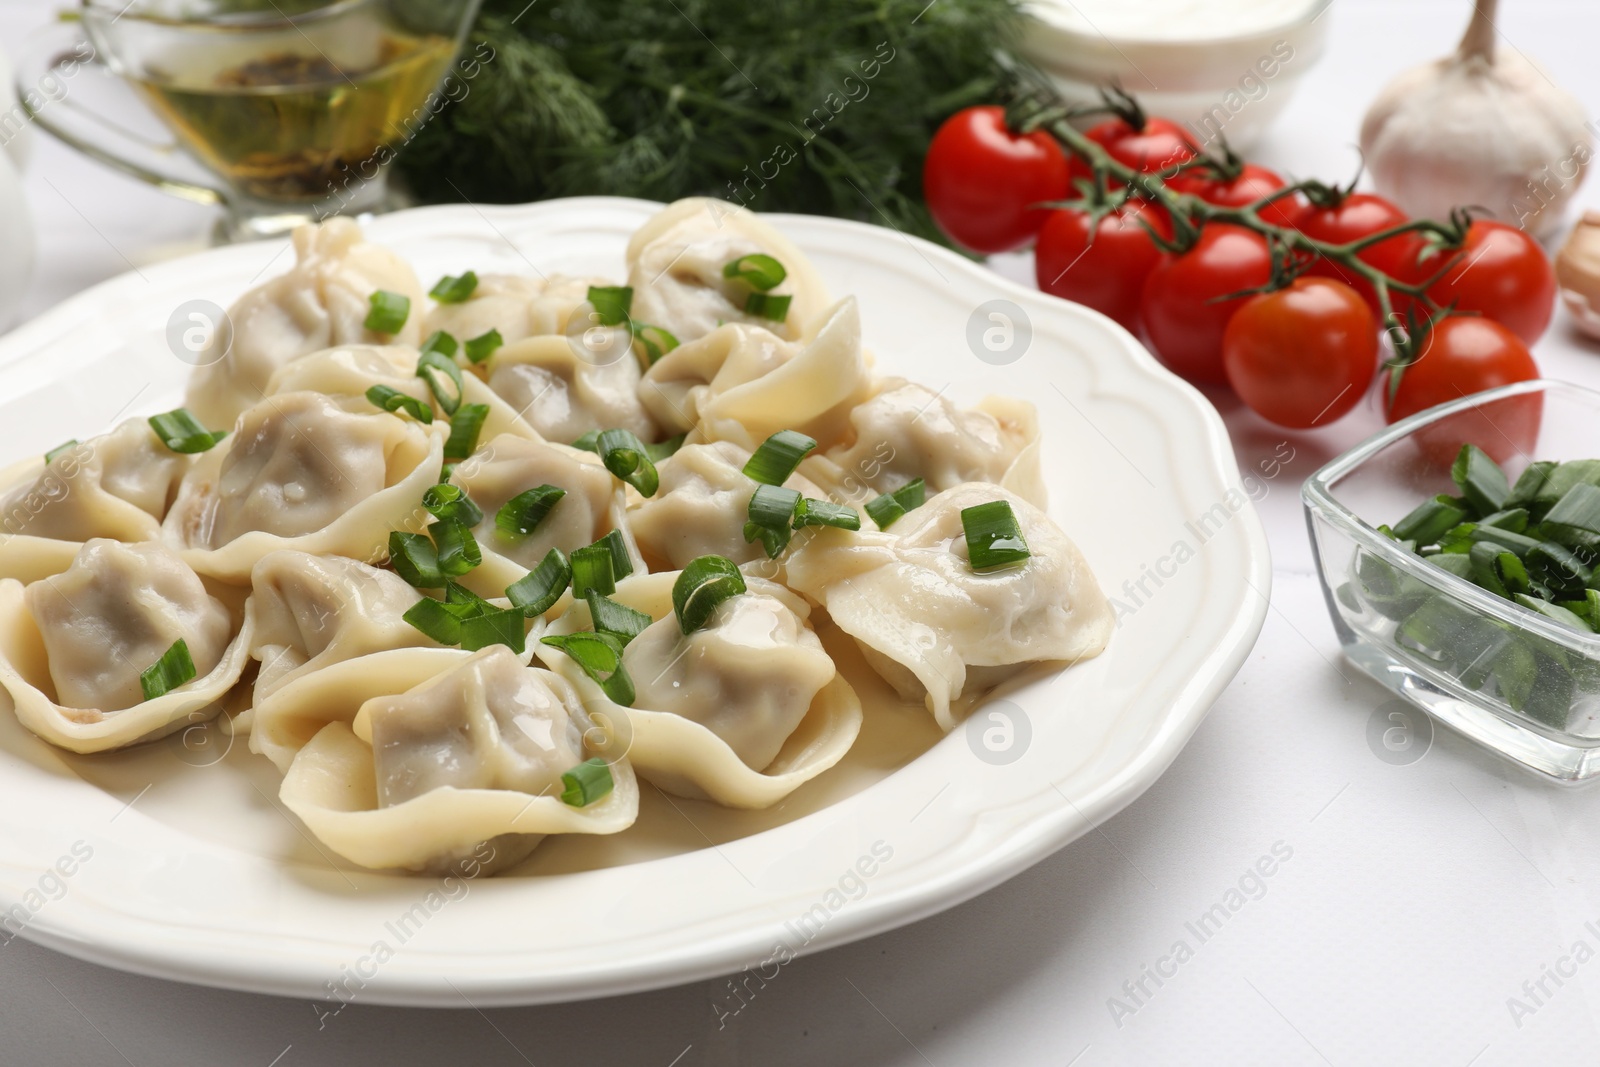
x: 1480, y: 479
x: 433, y: 363
x: 889, y: 507
x: 440, y: 342
x: 600, y: 656
x: 1575, y: 519
x: 182, y: 432
x: 465, y: 426
x: 619, y: 620
x: 537, y: 591
x: 464, y: 601
x: 592, y: 569
x: 393, y: 400
x: 589, y: 442
x: 655, y: 341
x: 778, y: 456
x: 771, y: 513
x: 1513, y: 519
x: 1530, y: 484
x: 497, y: 626
x: 458, y: 549
x: 621, y: 563
x: 812, y: 512
x: 993, y: 537
x: 1558, y: 568
x: 767, y: 306
x: 454, y: 290
x: 625, y: 456
x: 661, y: 450
x: 1556, y: 612
x: 451, y: 503
x: 174, y: 668
x: 1431, y: 520
x: 65, y: 446
x: 611, y: 303
x: 446, y: 470
x: 483, y: 346
x: 522, y: 514
x: 1515, y: 542
x: 435, y: 620
x: 758, y: 270
x: 586, y: 783
x: 415, y: 559
x: 387, y: 312
x: 705, y: 583
x: 912, y: 495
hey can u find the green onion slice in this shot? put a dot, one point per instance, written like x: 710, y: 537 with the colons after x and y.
x: 778, y: 456
x: 387, y: 312
x: 600, y: 656
x: 771, y: 513
x: 812, y: 512
x: 415, y: 559
x: 592, y: 569
x: 758, y: 270
x: 767, y: 306
x: 619, y: 620
x: 435, y: 620
x: 483, y: 346
x: 496, y: 626
x: 435, y: 366
x: 774, y: 539
x: 655, y: 341
x: 611, y: 303
x: 993, y: 537
x: 621, y: 563
x: 1430, y: 520
x: 586, y: 783
x: 454, y: 290
x: 65, y: 446
x: 458, y: 549
x: 626, y: 456
x: 393, y: 400
x: 182, y: 432
x: 705, y: 583
x: 889, y: 507
x: 522, y: 514
x: 174, y: 668
x: 465, y: 425
x: 537, y: 591
x: 451, y: 503
x: 589, y: 442
x: 441, y: 342
x: 662, y: 449
x: 1480, y: 479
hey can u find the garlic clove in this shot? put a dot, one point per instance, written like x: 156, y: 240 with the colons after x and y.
x: 1578, y: 273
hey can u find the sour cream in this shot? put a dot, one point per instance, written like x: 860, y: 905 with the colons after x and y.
x: 1173, y: 20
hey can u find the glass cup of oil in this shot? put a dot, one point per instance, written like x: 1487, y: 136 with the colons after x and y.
x: 279, y: 111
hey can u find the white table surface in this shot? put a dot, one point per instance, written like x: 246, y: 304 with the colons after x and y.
x: 1416, y: 901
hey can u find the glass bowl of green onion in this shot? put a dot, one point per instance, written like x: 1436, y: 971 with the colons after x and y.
x: 1466, y: 578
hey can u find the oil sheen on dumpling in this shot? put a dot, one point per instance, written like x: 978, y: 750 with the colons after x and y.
x: 935, y: 628
x: 320, y: 302
x: 509, y: 466
x: 117, y: 485
x: 516, y: 306
x: 114, y: 613
x: 564, y: 387
x: 675, y: 264
x: 700, y: 508
x: 749, y: 675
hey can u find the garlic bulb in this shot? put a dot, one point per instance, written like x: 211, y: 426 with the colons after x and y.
x: 1578, y: 273
x: 1485, y: 127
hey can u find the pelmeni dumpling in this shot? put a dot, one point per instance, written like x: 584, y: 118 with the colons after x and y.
x: 473, y: 755
x: 320, y: 302
x: 936, y: 629
x: 743, y: 383
x: 516, y: 306
x: 742, y: 711
x: 675, y: 264
x: 564, y: 387
x: 313, y: 611
x: 302, y: 472
x: 908, y: 431
x: 73, y: 647
x: 701, y: 507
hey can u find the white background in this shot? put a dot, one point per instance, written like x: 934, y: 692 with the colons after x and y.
x: 1416, y: 900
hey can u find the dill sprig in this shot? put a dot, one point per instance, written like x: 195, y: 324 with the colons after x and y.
x: 823, y: 107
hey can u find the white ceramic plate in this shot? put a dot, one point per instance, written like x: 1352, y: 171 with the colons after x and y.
x: 194, y: 872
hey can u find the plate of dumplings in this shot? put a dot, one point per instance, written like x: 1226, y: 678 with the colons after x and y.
x: 731, y: 586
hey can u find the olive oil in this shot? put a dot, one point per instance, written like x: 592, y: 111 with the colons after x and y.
x: 297, y: 125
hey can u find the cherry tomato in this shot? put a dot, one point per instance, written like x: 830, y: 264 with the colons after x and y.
x: 1501, y: 273
x: 980, y: 180
x: 1302, y: 356
x: 1356, y: 216
x: 1104, y: 269
x: 1161, y: 144
x: 1182, y: 323
x: 1463, y: 355
x: 1251, y: 185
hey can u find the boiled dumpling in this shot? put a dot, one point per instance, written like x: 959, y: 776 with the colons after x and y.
x: 701, y: 507
x: 312, y: 611
x: 742, y: 383
x: 348, y: 371
x: 73, y: 646
x: 908, y: 431
x: 742, y: 711
x: 938, y: 630
x: 303, y: 472
x: 473, y: 755
x: 320, y: 302
x: 675, y: 264
x: 564, y: 388
x: 514, y: 305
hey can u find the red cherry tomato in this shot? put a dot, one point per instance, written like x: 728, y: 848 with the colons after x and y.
x: 980, y: 180
x: 1302, y: 356
x: 1463, y: 355
x: 1251, y: 185
x: 1182, y: 323
x: 1356, y: 216
x: 1503, y: 274
x: 1161, y: 144
x: 1104, y: 268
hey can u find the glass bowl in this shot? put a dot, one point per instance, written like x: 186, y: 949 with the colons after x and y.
x: 1518, y: 683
